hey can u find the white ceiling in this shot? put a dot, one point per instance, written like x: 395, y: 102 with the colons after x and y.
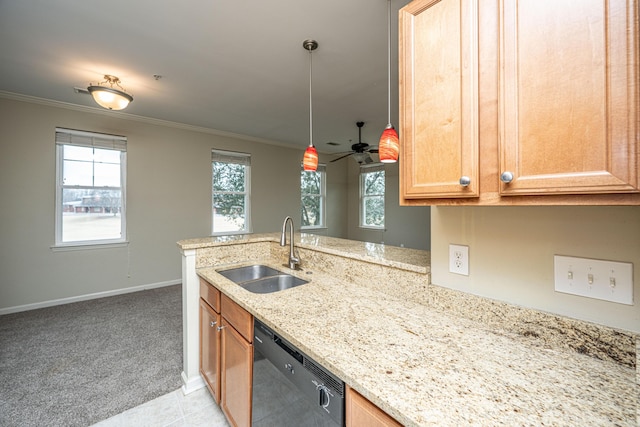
x: 233, y: 65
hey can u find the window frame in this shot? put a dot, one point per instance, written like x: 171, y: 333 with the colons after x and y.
x: 225, y: 156
x: 322, y: 195
x: 71, y: 137
x: 364, y: 170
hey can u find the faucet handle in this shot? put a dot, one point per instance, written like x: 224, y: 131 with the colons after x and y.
x: 294, y: 262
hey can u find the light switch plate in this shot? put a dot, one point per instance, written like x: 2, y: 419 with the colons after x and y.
x: 459, y: 259
x: 593, y: 278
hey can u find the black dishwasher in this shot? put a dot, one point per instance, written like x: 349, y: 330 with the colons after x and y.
x: 291, y: 389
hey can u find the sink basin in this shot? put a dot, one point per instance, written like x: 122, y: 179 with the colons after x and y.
x: 251, y: 272
x: 261, y: 279
x: 271, y: 284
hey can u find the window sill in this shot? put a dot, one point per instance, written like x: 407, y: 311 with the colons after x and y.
x: 235, y: 233
x: 87, y: 246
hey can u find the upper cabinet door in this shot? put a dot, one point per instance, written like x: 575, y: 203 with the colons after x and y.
x: 568, y: 102
x: 438, y: 60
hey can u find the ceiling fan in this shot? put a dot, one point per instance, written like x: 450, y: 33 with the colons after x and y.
x: 361, y: 150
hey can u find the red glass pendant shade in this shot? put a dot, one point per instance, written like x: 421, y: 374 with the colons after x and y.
x: 389, y: 145
x: 310, y: 160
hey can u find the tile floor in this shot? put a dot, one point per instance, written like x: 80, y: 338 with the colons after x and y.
x: 172, y: 410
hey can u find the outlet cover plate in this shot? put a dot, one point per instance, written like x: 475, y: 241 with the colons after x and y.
x: 459, y: 259
x: 594, y: 278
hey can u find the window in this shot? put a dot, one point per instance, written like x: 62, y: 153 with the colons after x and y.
x: 90, y: 188
x: 231, y: 192
x: 312, y: 190
x: 372, y: 196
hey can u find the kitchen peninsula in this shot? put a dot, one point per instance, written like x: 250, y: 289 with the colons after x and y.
x: 424, y: 354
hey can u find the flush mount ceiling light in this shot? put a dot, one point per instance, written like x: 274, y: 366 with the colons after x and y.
x: 310, y: 160
x: 109, y: 97
x: 389, y: 145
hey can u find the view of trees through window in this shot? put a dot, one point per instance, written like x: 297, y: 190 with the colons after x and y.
x: 312, y: 193
x: 230, y: 195
x: 372, y: 187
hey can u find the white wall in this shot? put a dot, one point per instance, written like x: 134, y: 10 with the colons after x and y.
x: 407, y: 226
x: 511, y: 254
x: 168, y: 199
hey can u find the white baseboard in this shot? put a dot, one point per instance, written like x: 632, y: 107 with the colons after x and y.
x: 189, y: 385
x: 61, y: 301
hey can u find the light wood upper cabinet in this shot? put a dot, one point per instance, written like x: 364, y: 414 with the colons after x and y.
x: 554, y: 107
x: 439, y: 98
x: 568, y: 96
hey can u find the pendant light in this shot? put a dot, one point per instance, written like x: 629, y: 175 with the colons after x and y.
x: 110, y: 97
x: 310, y: 160
x: 389, y: 145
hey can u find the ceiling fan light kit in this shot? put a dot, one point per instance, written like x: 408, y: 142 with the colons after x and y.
x: 310, y: 159
x: 109, y: 97
x: 389, y: 145
x: 360, y: 151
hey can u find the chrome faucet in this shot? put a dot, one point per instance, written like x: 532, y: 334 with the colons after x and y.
x: 294, y: 258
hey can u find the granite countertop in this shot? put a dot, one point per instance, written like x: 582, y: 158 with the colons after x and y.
x: 404, y: 258
x: 430, y: 367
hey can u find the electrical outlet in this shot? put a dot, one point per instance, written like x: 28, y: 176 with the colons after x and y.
x: 594, y: 278
x: 459, y: 259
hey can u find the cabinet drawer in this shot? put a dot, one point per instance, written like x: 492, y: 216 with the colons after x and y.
x: 238, y: 317
x: 210, y: 294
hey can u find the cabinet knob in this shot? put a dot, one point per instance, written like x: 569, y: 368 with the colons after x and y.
x: 220, y: 327
x: 506, y: 177
x: 465, y: 181
x: 213, y: 324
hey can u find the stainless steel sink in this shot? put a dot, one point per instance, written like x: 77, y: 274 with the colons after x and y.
x: 271, y: 284
x: 250, y: 272
x: 261, y: 279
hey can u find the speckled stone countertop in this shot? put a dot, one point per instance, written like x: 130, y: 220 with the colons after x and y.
x: 404, y: 258
x: 429, y: 366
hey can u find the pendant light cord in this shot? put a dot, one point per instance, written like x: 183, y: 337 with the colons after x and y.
x: 310, y: 98
x: 389, y: 61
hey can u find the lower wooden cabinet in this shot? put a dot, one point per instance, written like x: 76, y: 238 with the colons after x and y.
x: 362, y: 413
x: 236, y: 375
x: 226, y: 353
x: 210, y: 348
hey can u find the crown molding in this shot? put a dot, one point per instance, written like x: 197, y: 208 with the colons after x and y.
x: 141, y: 119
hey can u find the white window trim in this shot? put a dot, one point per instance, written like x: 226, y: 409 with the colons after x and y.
x: 89, y: 139
x: 233, y: 155
x: 322, y: 169
x: 364, y: 169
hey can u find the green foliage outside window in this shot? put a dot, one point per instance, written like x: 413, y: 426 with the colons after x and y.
x: 372, y: 192
x: 312, y: 192
x: 229, y: 196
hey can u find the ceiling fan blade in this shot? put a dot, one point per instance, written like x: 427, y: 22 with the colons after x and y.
x: 373, y: 150
x: 342, y: 157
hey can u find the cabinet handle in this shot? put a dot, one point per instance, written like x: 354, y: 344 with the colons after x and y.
x: 221, y: 327
x: 465, y: 181
x: 213, y: 324
x: 506, y: 177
